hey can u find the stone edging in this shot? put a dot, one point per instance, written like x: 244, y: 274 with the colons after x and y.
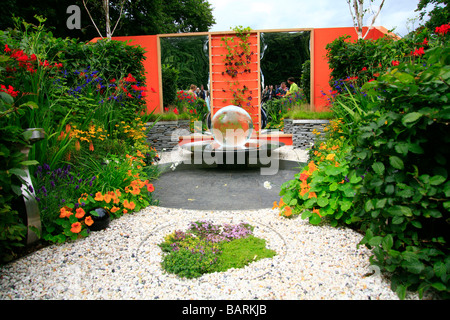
x: 302, y: 131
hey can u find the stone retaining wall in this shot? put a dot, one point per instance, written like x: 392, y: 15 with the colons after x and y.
x: 302, y: 131
x: 164, y: 134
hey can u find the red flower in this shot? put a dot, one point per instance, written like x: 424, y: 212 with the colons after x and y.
x: 17, y: 54
x: 425, y: 42
x: 9, y: 90
x: 175, y: 111
x: 442, y: 29
x: 364, y: 69
x: 7, y: 49
x: 22, y: 58
x: 418, y: 52
x: 395, y: 63
x: 130, y: 78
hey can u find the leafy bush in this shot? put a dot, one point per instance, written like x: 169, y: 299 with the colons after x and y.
x: 364, y: 60
x: 404, y: 142
x: 12, y: 162
x: 88, y: 99
x: 305, y: 79
x: 170, y: 77
x: 389, y: 147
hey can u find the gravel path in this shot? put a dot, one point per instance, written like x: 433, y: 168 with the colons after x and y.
x: 123, y: 262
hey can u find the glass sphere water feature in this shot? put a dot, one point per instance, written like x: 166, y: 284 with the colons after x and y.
x: 232, y: 127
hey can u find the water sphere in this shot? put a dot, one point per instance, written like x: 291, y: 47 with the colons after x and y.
x: 232, y: 127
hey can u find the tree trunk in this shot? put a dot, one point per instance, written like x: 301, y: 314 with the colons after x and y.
x: 108, y: 24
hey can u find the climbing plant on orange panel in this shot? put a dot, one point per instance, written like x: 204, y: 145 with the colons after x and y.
x: 235, y: 72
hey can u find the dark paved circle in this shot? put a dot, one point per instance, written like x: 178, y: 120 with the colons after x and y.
x: 221, y: 188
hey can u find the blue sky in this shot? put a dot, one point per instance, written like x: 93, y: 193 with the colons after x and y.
x: 279, y: 14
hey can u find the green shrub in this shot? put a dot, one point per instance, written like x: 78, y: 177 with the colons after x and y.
x: 170, y: 77
x: 364, y: 60
x: 390, y: 150
x: 404, y: 143
x: 305, y: 80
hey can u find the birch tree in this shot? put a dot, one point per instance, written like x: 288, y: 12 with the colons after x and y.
x: 358, y: 12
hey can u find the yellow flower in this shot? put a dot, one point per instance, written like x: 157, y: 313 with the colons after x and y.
x: 331, y: 156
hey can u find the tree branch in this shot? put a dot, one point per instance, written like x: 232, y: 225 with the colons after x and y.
x: 120, y: 16
x: 374, y: 18
x: 92, y: 19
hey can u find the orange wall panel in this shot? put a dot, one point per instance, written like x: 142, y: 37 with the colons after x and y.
x: 322, y: 37
x: 219, y: 82
x: 151, y: 67
x: 223, y: 85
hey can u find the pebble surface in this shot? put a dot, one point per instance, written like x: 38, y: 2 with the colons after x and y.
x: 124, y: 262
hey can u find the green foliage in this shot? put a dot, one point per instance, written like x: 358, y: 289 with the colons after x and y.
x: 142, y: 17
x: 189, y: 55
x: 363, y: 60
x: 279, y: 108
x: 170, y: 76
x: 283, y: 56
x: 305, y: 79
x: 389, y: 147
x: 241, y: 252
x: 206, y: 248
x: 12, y: 164
x: 439, y: 15
x: 405, y: 140
x: 86, y: 98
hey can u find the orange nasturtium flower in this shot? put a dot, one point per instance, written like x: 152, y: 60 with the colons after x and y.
x: 317, y: 211
x: 287, y: 211
x: 115, y: 209
x: 88, y: 221
x: 91, y: 146
x: 129, y: 205
x: 303, y: 176
x: 150, y: 187
x: 107, y: 198
x: 275, y: 205
x: 312, y: 195
x: 98, y: 196
x: 311, y: 167
x: 135, y: 190
x: 80, y: 213
x: 76, y: 227
x: 65, y: 212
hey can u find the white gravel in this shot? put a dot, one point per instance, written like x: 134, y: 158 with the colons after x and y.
x: 124, y: 262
